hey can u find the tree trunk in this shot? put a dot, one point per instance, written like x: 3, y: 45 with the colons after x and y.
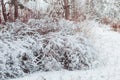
x: 4, y: 10
x: 16, y: 9
x: 0, y: 17
x: 74, y: 15
x: 10, y: 14
x: 66, y: 7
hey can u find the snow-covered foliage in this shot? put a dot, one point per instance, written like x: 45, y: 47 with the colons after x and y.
x: 108, y: 44
x: 43, y: 45
x: 38, y: 5
x: 82, y: 9
x: 99, y: 9
x: 52, y: 44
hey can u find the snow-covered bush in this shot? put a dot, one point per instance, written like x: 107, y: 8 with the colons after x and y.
x: 99, y: 9
x: 17, y: 41
x: 43, y: 45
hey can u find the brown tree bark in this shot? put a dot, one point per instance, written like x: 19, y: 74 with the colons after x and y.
x: 0, y: 17
x: 10, y: 14
x: 4, y: 10
x: 15, y: 9
x: 66, y: 8
x: 75, y: 13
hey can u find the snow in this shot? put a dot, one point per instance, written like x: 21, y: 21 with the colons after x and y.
x: 104, y: 40
x: 38, y: 5
x: 102, y: 73
x: 108, y: 44
x: 43, y: 45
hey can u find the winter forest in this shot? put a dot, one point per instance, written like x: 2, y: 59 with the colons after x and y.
x: 59, y: 39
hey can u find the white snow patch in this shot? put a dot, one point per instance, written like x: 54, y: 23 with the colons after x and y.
x: 38, y: 5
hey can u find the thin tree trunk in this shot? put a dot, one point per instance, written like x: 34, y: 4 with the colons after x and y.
x: 0, y: 17
x: 66, y: 7
x: 16, y: 9
x: 74, y: 15
x: 10, y: 14
x: 4, y: 10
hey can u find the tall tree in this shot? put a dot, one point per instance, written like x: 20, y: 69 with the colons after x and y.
x: 15, y: 9
x: 0, y: 17
x: 4, y: 10
x: 66, y: 8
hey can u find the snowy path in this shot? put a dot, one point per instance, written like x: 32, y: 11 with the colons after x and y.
x: 108, y: 44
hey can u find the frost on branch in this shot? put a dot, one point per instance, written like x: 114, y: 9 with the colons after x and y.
x: 25, y: 49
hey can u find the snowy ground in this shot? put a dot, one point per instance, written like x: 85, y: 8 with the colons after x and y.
x: 108, y: 44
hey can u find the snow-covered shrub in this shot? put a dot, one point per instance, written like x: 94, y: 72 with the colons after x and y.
x: 72, y: 52
x: 15, y: 43
x: 100, y: 9
x: 58, y: 45
x: 25, y: 49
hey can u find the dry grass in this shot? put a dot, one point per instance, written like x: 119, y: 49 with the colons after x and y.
x: 115, y: 24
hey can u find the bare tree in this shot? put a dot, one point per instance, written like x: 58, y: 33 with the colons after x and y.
x: 10, y: 14
x: 0, y: 17
x: 4, y: 10
x: 66, y: 8
x: 74, y: 11
x: 15, y: 9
